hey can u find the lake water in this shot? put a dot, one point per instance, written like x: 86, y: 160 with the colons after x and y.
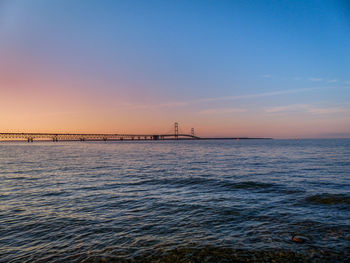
x: 175, y: 201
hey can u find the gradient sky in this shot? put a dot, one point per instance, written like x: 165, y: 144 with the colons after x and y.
x: 227, y: 68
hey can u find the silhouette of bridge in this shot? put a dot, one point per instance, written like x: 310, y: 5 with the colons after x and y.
x: 30, y: 137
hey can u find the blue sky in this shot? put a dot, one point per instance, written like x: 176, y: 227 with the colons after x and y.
x: 215, y: 62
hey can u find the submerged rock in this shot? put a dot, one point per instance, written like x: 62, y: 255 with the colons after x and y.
x: 299, y: 239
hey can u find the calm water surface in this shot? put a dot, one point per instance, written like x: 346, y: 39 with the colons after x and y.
x: 175, y: 201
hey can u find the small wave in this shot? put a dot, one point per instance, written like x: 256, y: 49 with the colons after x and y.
x: 262, y: 187
x: 249, y: 185
x: 223, y: 254
x: 223, y: 184
x: 328, y: 199
x: 179, y: 181
x: 56, y: 193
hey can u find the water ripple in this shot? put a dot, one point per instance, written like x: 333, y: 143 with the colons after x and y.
x: 188, y: 201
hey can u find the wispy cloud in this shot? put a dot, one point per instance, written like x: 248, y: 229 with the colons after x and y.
x: 330, y: 110
x: 306, y: 108
x: 175, y: 104
x: 332, y: 80
x: 250, y: 96
x: 132, y: 106
x: 312, y: 79
x: 223, y: 111
x: 316, y: 79
x: 293, y: 107
x: 329, y: 80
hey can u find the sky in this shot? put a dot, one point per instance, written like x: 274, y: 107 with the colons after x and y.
x: 276, y: 69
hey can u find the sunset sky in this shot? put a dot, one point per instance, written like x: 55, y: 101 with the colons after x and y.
x: 227, y: 68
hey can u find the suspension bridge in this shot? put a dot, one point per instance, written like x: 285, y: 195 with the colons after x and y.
x: 55, y: 137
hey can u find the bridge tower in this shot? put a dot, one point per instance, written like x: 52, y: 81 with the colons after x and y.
x: 192, y: 132
x: 176, y: 126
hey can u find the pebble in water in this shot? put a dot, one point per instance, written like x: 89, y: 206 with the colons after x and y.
x: 299, y: 239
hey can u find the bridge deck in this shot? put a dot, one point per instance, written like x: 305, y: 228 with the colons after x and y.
x: 91, y: 136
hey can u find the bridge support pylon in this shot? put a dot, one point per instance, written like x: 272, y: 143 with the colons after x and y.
x: 176, y: 127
